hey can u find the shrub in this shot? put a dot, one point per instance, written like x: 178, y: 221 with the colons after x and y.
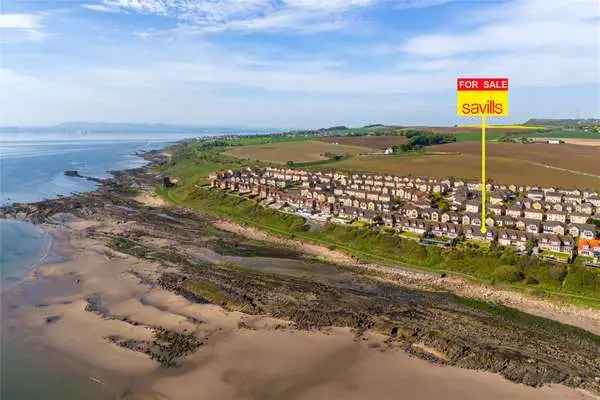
x: 508, y: 273
x: 530, y: 280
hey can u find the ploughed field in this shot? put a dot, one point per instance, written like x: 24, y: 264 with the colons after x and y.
x: 373, y: 142
x: 208, y: 265
x: 301, y: 151
x: 528, y: 164
x: 584, y: 159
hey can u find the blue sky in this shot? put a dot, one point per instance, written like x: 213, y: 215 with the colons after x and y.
x: 292, y: 63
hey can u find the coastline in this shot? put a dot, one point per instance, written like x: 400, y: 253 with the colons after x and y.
x: 133, y: 304
x: 243, y: 356
x: 585, y: 318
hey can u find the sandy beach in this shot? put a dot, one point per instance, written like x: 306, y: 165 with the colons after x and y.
x: 241, y: 357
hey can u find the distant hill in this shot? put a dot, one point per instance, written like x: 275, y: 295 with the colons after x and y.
x: 124, y: 127
x: 565, y: 123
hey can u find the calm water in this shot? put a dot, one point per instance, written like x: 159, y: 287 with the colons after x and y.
x: 33, y: 170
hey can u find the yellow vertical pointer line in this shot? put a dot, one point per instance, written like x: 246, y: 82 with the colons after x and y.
x: 483, y: 178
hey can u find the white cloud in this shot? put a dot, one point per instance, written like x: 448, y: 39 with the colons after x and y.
x: 100, y: 7
x: 521, y: 27
x: 20, y: 21
x: 19, y: 27
x: 243, y: 15
x: 534, y: 42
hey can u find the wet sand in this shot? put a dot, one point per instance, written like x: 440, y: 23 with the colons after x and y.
x: 242, y: 356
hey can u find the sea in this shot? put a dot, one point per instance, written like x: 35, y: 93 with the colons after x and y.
x: 32, y: 169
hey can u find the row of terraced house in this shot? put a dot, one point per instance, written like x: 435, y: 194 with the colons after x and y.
x: 557, y: 220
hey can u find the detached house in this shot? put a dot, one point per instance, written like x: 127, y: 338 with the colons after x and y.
x: 557, y: 244
x: 512, y: 238
x: 577, y: 218
x: 515, y: 212
x: 553, y: 227
x: 589, y: 248
x: 556, y: 216
x: 534, y: 214
x: 584, y: 231
x: 473, y: 206
x: 554, y: 197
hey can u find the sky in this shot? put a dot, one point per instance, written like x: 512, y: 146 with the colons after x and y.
x: 292, y: 63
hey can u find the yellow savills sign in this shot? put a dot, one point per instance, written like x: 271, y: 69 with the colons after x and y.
x: 482, y: 97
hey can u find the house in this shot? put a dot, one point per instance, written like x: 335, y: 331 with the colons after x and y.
x: 585, y: 208
x: 556, y: 216
x: 554, y: 197
x: 497, y: 210
x: 505, y: 221
x: 584, y: 231
x: 553, y: 227
x: 577, y: 218
x: 412, y: 213
x: 534, y: 214
x: 473, y: 206
x: 513, y: 238
x: 589, y: 248
x: 499, y: 197
x: 535, y: 195
x: 594, y: 200
x: 556, y: 244
x: 473, y: 233
x: 550, y: 242
x: 533, y: 226
x: 416, y: 226
x: 514, y: 211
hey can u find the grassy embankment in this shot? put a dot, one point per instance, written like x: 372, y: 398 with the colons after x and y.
x: 574, y: 283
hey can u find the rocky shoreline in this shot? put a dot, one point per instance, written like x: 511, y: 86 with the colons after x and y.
x: 205, y: 265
